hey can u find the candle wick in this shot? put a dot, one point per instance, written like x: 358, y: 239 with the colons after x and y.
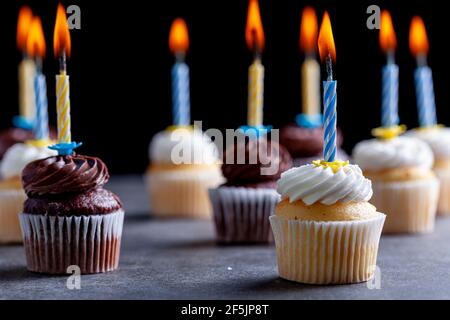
x: 38, y: 62
x: 256, y: 49
x: 390, y: 57
x: 329, y: 64
x: 310, y: 55
x: 62, y: 63
x: 421, y: 60
x: 180, y: 56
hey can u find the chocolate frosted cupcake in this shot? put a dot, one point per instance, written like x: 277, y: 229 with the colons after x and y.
x: 306, y: 144
x: 69, y: 218
x: 242, y: 205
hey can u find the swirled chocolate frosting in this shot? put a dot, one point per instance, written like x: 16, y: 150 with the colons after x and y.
x: 304, y: 142
x: 257, y: 163
x: 68, y: 185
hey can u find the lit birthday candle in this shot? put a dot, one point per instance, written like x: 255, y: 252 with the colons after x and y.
x: 62, y: 46
x: 311, y: 115
x: 179, y: 44
x: 418, y: 44
x: 254, y: 36
x: 328, y: 56
x: 388, y: 44
x: 27, y: 71
x: 36, y: 50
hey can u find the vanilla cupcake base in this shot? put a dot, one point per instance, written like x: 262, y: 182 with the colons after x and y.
x: 444, y: 194
x: 410, y: 206
x: 11, y: 204
x: 327, y: 252
x: 53, y: 243
x: 241, y: 215
x: 182, y: 193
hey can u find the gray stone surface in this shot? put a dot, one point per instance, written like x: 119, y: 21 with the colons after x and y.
x: 179, y: 260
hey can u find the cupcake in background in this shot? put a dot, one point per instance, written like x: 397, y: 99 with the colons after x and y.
x: 12, y: 136
x: 436, y: 136
x: 69, y: 218
x: 305, y: 144
x: 326, y: 231
x: 184, y: 164
x: 438, y: 139
x: 404, y: 186
x: 12, y: 195
x: 243, y: 204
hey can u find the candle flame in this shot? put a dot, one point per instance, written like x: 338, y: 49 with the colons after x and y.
x: 418, y: 40
x: 178, y: 36
x: 254, y: 32
x: 326, y: 40
x: 36, y: 40
x: 23, y: 26
x: 388, y: 40
x: 308, y: 30
x: 61, y: 36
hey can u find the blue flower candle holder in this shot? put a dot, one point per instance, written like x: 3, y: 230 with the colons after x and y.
x: 255, y: 131
x: 65, y: 149
x: 309, y: 121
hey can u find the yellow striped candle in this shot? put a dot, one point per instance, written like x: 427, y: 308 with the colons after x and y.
x: 62, y: 45
x: 255, y: 94
x: 63, y: 108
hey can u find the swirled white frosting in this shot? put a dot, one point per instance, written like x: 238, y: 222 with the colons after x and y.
x: 438, y: 139
x: 183, y: 146
x: 19, y: 155
x: 311, y: 184
x: 376, y: 154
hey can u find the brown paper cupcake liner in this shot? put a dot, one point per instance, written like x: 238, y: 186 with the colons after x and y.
x: 410, y: 206
x: 444, y: 193
x: 11, y: 204
x: 181, y: 194
x: 241, y: 215
x: 331, y: 252
x: 53, y: 243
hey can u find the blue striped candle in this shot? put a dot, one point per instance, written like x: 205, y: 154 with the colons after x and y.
x: 389, y: 103
x: 425, y: 96
x: 330, y: 119
x: 180, y: 94
x: 41, y: 123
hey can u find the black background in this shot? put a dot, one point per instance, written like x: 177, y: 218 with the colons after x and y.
x: 120, y: 67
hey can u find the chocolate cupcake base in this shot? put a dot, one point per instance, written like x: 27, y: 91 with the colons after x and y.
x: 53, y: 243
x: 241, y: 215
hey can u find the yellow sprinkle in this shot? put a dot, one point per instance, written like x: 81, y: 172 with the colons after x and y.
x: 41, y: 143
x: 335, y: 165
x: 430, y: 128
x: 388, y: 133
x: 175, y: 127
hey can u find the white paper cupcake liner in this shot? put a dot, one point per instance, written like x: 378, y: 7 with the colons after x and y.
x: 241, y: 215
x: 410, y: 206
x: 444, y: 194
x: 182, y: 193
x: 11, y: 204
x: 53, y: 243
x: 331, y: 252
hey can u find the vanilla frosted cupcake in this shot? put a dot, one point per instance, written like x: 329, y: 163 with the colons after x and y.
x: 439, y: 141
x: 183, y: 166
x: 12, y: 195
x: 404, y: 185
x: 326, y: 231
